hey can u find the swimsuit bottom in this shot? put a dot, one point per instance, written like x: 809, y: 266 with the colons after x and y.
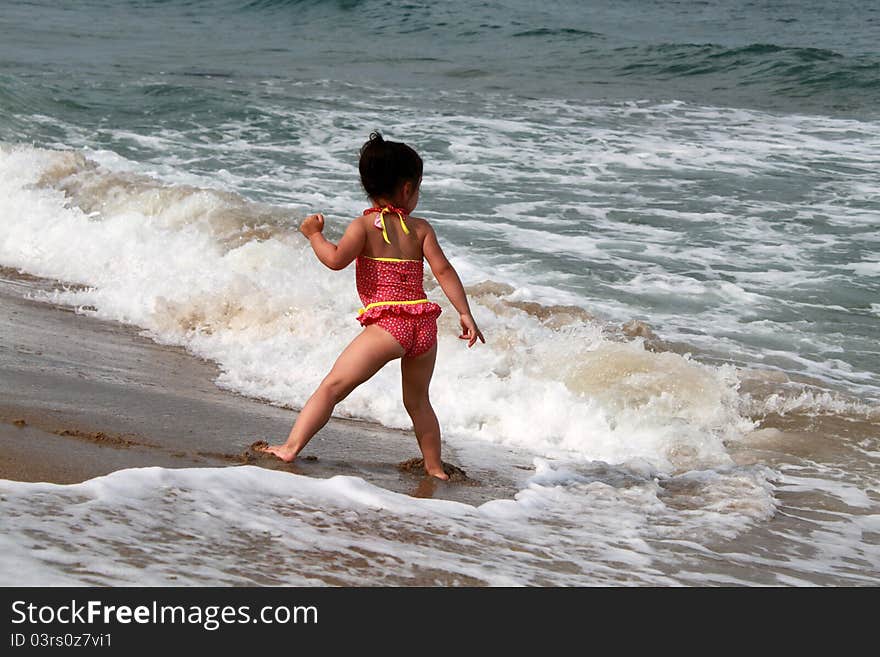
x: 394, y: 298
x: 417, y: 334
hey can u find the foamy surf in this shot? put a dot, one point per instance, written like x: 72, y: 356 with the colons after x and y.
x: 233, y: 282
x: 587, y: 524
x: 283, y: 529
x: 649, y: 466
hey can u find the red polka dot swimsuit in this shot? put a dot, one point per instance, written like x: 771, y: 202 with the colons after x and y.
x: 394, y: 298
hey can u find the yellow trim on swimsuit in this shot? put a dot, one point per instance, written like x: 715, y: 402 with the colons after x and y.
x: 376, y: 304
x: 390, y: 259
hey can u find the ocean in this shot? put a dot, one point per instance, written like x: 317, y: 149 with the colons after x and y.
x: 666, y: 215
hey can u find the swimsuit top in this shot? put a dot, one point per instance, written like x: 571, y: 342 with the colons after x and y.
x: 391, y: 285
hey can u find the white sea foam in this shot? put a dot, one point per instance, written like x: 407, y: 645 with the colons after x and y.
x: 864, y: 268
x: 575, y: 524
x: 814, y: 402
x: 277, y: 528
x: 174, y: 261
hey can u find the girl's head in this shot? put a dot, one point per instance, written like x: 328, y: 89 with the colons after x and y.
x: 391, y: 171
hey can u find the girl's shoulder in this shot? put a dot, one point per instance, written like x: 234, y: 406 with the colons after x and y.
x: 361, y: 223
x: 421, y: 226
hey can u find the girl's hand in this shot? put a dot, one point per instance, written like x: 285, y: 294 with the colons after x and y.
x: 312, y: 224
x: 469, y: 331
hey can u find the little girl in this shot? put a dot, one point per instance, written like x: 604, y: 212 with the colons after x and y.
x: 388, y: 245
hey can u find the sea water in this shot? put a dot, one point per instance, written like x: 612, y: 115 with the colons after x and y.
x: 666, y: 216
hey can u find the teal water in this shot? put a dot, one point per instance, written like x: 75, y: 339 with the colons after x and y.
x: 792, y: 56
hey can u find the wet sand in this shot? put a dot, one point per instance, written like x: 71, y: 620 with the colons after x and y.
x: 82, y: 397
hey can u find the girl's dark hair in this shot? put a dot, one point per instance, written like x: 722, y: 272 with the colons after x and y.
x: 386, y: 165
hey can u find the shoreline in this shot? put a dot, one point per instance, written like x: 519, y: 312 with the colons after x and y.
x: 81, y: 397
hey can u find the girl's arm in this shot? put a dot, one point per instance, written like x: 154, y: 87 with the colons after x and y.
x: 334, y: 256
x: 451, y: 285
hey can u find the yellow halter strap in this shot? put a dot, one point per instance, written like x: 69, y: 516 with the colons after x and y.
x: 382, y: 221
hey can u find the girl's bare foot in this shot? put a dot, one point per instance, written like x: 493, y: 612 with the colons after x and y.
x: 283, y: 452
x: 438, y: 472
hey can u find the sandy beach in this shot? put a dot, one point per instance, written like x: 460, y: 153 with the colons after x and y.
x: 82, y: 397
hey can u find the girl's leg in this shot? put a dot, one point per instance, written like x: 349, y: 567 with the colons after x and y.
x: 360, y: 360
x: 416, y: 374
